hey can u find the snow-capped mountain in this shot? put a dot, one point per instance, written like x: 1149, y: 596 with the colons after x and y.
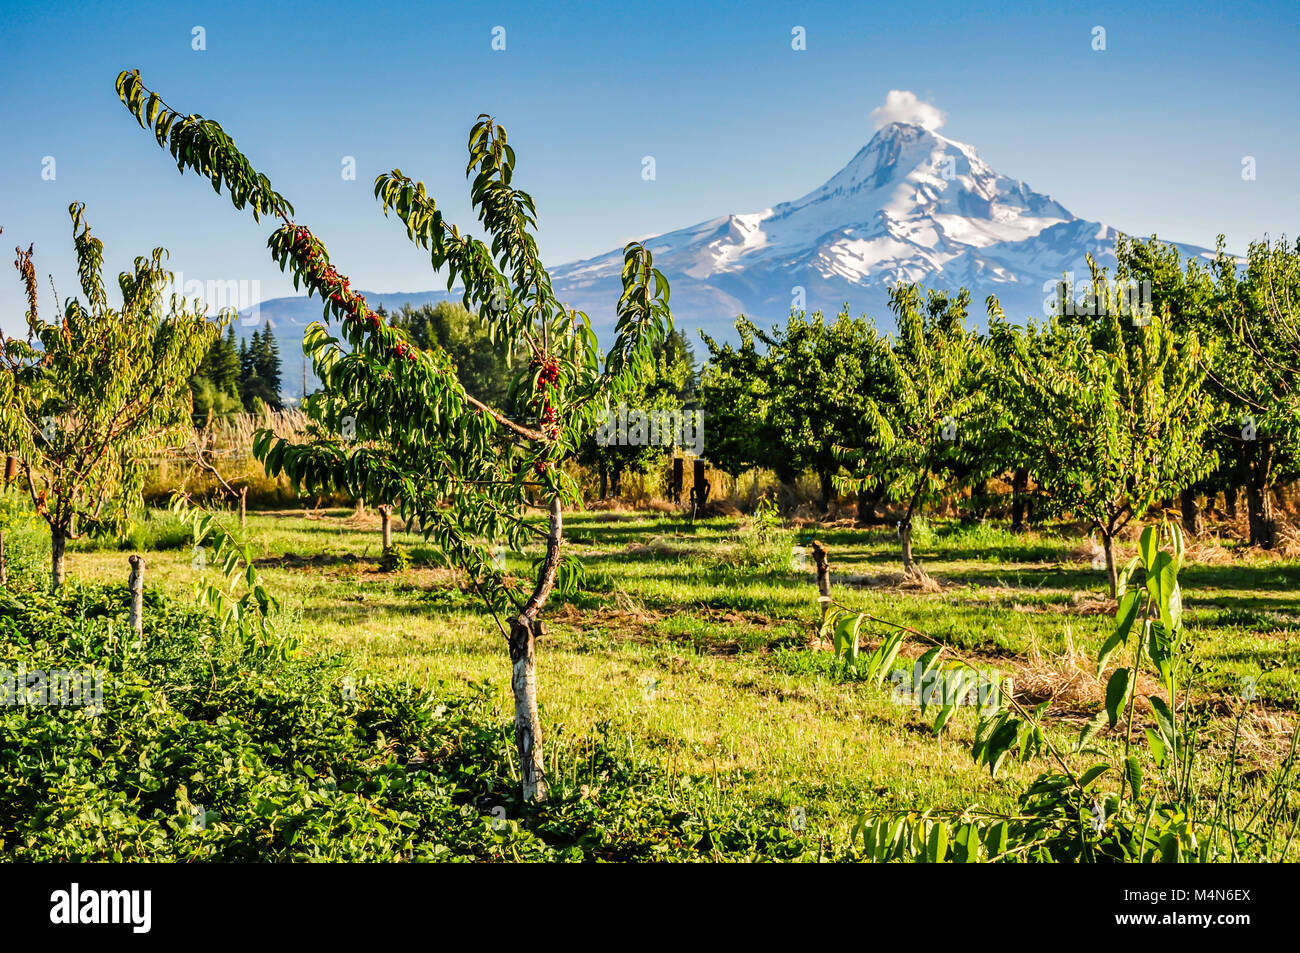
x: 912, y: 205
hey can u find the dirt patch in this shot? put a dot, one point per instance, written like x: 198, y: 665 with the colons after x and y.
x: 897, y: 581
x: 1005, y: 597
x: 631, y: 617
x: 659, y: 548
x: 346, y: 562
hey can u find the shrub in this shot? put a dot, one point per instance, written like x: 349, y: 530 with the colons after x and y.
x: 203, y: 751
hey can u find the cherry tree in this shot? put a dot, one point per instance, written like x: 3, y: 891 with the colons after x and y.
x: 470, y: 472
x: 89, y: 396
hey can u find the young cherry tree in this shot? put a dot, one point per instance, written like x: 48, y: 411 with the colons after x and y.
x: 1257, y: 371
x: 469, y: 471
x: 1115, y: 408
x: 88, y: 397
x: 926, y: 394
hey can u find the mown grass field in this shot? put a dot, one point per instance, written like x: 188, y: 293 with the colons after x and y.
x: 696, y: 645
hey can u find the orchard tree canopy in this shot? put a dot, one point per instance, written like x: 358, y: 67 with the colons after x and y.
x: 1256, y: 370
x: 927, y: 397
x: 1115, y: 407
x: 791, y: 405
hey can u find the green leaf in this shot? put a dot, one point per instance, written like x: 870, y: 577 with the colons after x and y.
x: 945, y: 716
x: 886, y: 654
x: 1090, y: 730
x: 1171, y: 849
x: 1133, y: 772
x: 1125, y: 615
x: 1092, y: 774
x: 846, y: 637
x: 997, y: 838
x: 1148, y: 547
x: 1158, y: 750
x: 1117, y: 693
x: 937, y: 847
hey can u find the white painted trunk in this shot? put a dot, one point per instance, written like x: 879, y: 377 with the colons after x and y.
x: 528, y: 725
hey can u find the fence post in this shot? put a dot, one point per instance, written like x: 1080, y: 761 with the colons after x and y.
x: 699, y: 490
x: 822, y: 558
x: 136, y: 587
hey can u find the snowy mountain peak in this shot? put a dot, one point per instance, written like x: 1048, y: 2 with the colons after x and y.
x: 898, y: 150
x: 911, y: 205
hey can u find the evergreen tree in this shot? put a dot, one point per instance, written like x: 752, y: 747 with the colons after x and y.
x: 259, y: 371
x: 268, y: 368
x: 215, y: 386
x: 226, y: 368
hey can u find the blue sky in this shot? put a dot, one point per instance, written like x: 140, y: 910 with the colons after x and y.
x: 1148, y: 135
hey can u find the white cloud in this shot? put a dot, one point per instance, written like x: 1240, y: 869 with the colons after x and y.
x: 901, y: 105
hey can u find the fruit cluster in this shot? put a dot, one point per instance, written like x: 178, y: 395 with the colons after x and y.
x: 548, y: 375
x: 550, y: 421
x: 333, y: 287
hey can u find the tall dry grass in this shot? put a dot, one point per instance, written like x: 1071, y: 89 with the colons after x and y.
x: 228, y: 446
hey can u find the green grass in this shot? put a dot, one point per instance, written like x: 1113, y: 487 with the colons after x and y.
x: 692, y: 642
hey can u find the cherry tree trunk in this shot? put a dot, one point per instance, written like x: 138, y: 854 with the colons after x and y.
x: 525, y: 629
x: 905, y: 538
x: 528, y: 724
x: 821, y: 556
x: 827, y: 478
x: 135, y: 586
x: 1112, y: 573
x: 1259, y: 502
x: 58, y: 544
x: 1019, y: 486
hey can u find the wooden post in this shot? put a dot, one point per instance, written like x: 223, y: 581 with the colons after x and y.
x: 822, y: 558
x: 699, y: 490
x: 675, y: 487
x: 386, y: 520
x: 1191, y: 508
x: 136, y: 588
x: 243, y: 507
x: 11, y: 469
